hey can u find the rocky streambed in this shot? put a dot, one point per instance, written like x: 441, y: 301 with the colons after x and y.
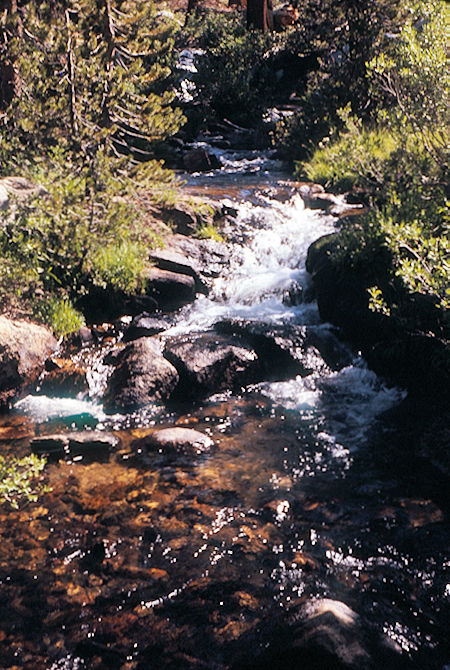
x: 226, y: 489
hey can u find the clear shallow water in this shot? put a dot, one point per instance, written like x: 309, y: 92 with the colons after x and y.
x: 149, y: 561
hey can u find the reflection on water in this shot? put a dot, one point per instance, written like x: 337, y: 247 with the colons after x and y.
x: 214, y: 561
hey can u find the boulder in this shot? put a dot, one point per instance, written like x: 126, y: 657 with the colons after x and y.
x: 107, y: 304
x: 325, y: 634
x: 173, y: 261
x: 4, y: 197
x: 93, y: 444
x: 200, y: 160
x: 20, y: 187
x: 414, y: 360
x: 201, y: 259
x: 181, y: 218
x: 171, y: 290
x: 177, y: 441
x: 142, y: 375
x: 208, y: 363
x: 24, y: 347
x: 284, y: 350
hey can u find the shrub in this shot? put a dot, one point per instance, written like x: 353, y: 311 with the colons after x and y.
x: 119, y: 266
x: 21, y: 479
x: 357, y: 157
x: 60, y: 315
x: 233, y: 76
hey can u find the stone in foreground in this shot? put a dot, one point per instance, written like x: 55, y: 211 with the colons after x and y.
x: 209, y: 363
x: 24, y: 348
x: 179, y: 441
x: 90, y: 443
x: 142, y: 375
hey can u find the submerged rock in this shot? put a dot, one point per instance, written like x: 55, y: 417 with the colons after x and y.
x: 24, y: 347
x: 89, y: 443
x: 178, y: 441
x: 209, y: 363
x: 142, y: 375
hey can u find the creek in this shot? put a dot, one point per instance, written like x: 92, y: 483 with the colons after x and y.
x: 294, y: 543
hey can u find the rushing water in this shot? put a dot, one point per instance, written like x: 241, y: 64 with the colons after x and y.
x: 218, y: 561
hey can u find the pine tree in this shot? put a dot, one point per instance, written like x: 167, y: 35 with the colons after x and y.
x: 89, y: 76
x: 91, y: 98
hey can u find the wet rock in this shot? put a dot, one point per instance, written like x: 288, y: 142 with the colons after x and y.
x: 142, y: 375
x: 416, y: 361
x: 174, y: 261
x: 178, y: 441
x: 202, y: 259
x: 171, y: 290
x: 325, y: 633
x: 308, y: 189
x: 209, y: 363
x: 284, y: 349
x: 90, y: 443
x: 63, y: 378
x: 24, y: 347
x: 145, y: 325
x: 323, y: 201
x: 83, y: 337
x: 200, y: 160
x: 108, y: 304
x: 181, y: 218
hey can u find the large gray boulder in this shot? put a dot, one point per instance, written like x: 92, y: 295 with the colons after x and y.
x: 24, y: 348
x: 142, y: 375
x: 208, y: 363
x: 287, y: 350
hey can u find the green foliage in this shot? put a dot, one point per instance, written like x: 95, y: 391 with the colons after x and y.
x: 119, y: 266
x: 400, y: 163
x: 234, y: 77
x: 21, y: 479
x: 90, y: 77
x: 357, y: 157
x: 421, y: 257
x: 59, y: 314
x: 92, y: 100
x: 413, y: 73
x: 209, y: 232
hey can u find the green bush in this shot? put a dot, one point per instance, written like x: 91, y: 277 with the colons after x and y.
x: 234, y: 78
x: 358, y: 157
x: 59, y: 314
x: 21, y: 479
x: 119, y: 266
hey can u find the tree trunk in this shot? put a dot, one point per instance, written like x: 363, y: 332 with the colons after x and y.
x: 259, y: 14
x: 192, y: 5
